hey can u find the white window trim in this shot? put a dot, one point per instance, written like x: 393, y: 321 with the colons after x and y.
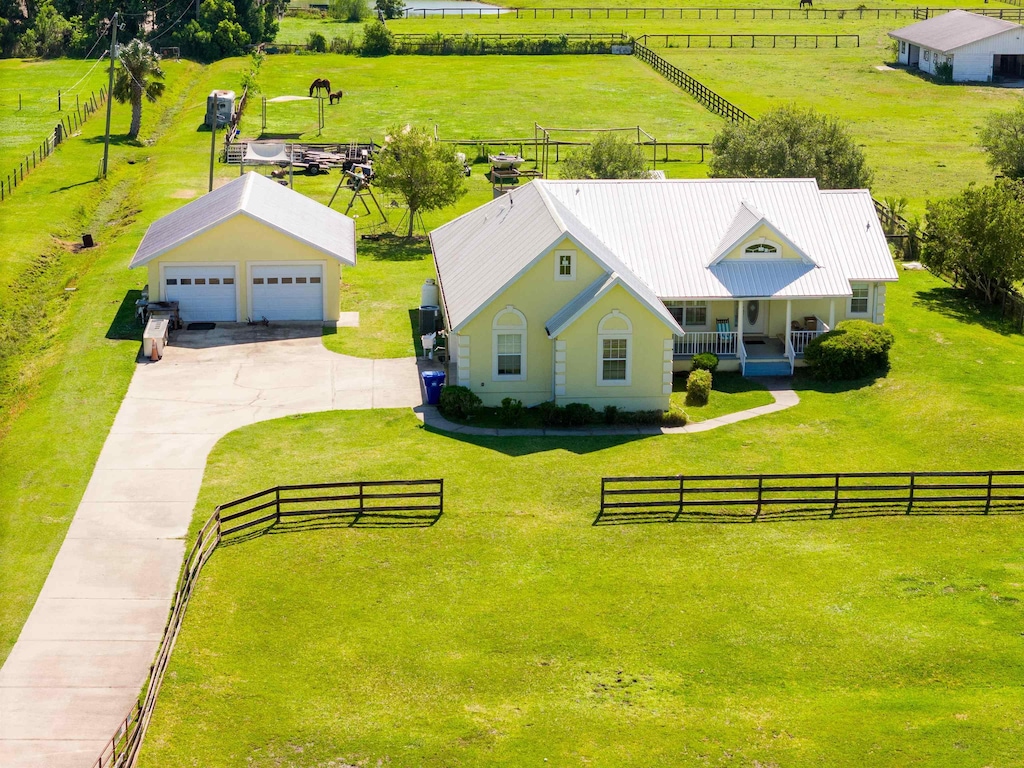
x: 849, y: 302
x: 603, y: 334
x: 761, y: 256
x: 573, y: 258
x: 508, y: 330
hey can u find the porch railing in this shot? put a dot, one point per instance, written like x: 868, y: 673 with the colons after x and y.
x: 741, y: 350
x: 800, y: 339
x: 721, y: 344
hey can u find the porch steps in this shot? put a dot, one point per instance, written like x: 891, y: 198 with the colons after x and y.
x: 767, y: 368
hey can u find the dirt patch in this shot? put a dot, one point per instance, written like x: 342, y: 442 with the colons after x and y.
x: 184, y: 194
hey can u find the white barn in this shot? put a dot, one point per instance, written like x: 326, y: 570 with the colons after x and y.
x: 980, y: 48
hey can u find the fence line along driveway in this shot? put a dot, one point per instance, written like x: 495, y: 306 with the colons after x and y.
x: 87, y: 646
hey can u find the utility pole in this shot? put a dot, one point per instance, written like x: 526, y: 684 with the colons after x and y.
x: 110, y: 92
x: 213, y: 137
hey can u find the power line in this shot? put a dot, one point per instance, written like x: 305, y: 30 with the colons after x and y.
x: 154, y: 10
x: 171, y: 26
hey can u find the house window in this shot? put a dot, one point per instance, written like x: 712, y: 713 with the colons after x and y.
x: 614, y: 350
x: 565, y: 265
x: 696, y: 313
x: 759, y: 249
x: 859, y: 300
x: 509, y: 345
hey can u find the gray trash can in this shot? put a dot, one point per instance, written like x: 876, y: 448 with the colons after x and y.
x: 432, y: 383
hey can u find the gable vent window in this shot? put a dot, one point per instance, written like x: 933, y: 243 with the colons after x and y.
x: 565, y: 265
x: 758, y: 249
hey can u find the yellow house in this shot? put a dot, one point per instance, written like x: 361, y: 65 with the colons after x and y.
x: 250, y: 249
x: 597, y: 291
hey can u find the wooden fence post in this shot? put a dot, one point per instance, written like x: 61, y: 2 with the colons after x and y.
x: 910, y: 499
x: 835, y: 498
x: 277, y: 499
x: 988, y: 494
x: 760, y: 495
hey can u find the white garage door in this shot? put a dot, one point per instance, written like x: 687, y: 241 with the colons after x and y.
x: 288, y: 292
x: 204, y: 293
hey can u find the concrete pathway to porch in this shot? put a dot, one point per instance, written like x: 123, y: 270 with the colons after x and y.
x: 85, y: 651
x: 778, y: 388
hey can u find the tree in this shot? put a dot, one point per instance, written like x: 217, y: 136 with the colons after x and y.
x: 1003, y: 138
x: 978, y: 237
x: 348, y: 10
x: 425, y: 173
x: 609, y: 157
x: 138, y: 76
x: 377, y: 40
x: 390, y: 9
x: 790, y: 143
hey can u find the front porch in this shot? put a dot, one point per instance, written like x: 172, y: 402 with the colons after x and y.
x: 758, y: 333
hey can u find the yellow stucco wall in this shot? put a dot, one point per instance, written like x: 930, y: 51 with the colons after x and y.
x: 538, y: 296
x: 242, y: 240
x: 646, y: 390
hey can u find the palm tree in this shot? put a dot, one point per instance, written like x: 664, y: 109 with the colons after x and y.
x: 139, y: 75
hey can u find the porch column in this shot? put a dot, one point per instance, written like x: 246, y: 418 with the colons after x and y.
x: 741, y: 306
x: 789, y: 327
x: 831, y: 314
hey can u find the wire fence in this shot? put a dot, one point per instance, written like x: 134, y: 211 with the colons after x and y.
x: 391, y: 503
x: 67, y: 124
x: 760, y: 40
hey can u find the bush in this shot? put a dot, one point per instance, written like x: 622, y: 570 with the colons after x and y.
x: 853, y: 350
x: 611, y: 414
x: 698, y: 387
x: 511, y: 413
x: 349, y: 10
x: 579, y: 414
x: 705, y: 361
x: 378, y: 40
x: 551, y: 415
x: 674, y: 417
x: 390, y: 9
x: 345, y: 44
x: 459, y: 402
x: 944, y: 72
x: 316, y: 43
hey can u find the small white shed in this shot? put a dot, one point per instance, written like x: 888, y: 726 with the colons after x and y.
x: 980, y: 48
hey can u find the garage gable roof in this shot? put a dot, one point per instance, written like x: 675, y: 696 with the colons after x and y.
x: 266, y: 201
x: 949, y: 31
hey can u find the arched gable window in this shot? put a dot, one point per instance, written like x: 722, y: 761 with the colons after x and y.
x: 614, y: 350
x: 762, y: 249
x: 508, y: 344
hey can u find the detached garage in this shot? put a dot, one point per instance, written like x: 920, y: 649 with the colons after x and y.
x: 250, y: 249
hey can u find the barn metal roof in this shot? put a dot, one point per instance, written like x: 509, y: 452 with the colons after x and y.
x: 659, y: 236
x: 949, y: 31
x: 283, y: 209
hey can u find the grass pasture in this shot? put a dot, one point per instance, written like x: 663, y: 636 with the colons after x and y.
x: 515, y: 631
x: 37, y: 82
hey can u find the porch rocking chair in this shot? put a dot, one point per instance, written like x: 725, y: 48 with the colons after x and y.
x: 726, y: 344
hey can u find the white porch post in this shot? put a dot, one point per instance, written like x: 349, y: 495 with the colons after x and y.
x: 741, y: 305
x: 789, y: 327
x: 831, y: 314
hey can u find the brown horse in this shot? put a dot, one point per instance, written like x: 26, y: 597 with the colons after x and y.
x: 336, y: 96
x: 809, y: 3
x: 318, y: 84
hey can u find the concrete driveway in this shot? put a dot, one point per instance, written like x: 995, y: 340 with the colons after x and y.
x: 86, y: 648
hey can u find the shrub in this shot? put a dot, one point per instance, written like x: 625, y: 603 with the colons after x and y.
x: 705, y: 361
x: 349, y: 10
x: 611, y: 414
x: 645, y: 418
x: 345, y: 44
x: 551, y: 415
x: 459, y: 402
x: 944, y: 71
x: 698, y: 387
x: 316, y: 43
x: 579, y: 414
x: 378, y: 40
x: 511, y: 412
x: 674, y: 417
x: 853, y: 350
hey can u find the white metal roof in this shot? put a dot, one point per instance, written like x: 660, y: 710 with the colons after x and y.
x: 949, y: 31
x: 283, y: 209
x: 659, y: 236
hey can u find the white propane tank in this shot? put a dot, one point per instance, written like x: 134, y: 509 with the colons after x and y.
x: 429, y: 296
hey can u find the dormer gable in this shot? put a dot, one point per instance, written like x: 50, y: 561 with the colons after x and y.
x: 753, y: 237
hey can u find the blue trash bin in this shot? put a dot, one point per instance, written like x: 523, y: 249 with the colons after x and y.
x: 432, y: 383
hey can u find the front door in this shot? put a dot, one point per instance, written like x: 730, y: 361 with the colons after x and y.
x: 913, y: 56
x: 754, y: 313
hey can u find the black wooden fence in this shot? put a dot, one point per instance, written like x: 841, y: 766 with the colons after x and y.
x: 715, y: 103
x: 411, y: 12
x: 750, y: 498
x: 66, y: 125
x: 365, y: 503
x: 697, y: 40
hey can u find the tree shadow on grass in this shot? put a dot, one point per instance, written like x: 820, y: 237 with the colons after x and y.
x: 125, y: 326
x: 120, y: 139
x: 803, y: 381
x: 957, y: 304
x: 795, y: 514
x: 528, y: 445
x: 394, y: 248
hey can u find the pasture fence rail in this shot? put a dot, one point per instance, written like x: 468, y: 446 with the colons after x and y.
x: 706, y: 496
x: 311, y: 502
x: 701, y: 13
x: 66, y: 125
x: 751, y: 40
x: 711, y: 100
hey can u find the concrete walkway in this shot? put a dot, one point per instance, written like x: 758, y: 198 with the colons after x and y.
x: 85, y: 651
x: 777, y: 388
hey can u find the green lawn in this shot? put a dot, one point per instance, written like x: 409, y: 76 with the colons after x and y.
x: 37, y: 82
x: 730, y: 393
x: 515, y: 631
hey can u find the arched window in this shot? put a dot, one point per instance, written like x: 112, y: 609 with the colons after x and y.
x: 762, y: 249
x: 614, y: 350
x: 508, y: 345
